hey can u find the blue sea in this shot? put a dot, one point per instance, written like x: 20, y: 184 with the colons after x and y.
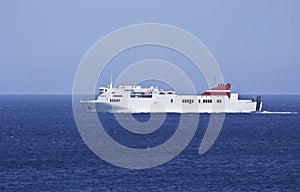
x: 42, y: 150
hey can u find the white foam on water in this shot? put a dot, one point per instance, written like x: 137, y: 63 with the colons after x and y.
x: 278, y: 112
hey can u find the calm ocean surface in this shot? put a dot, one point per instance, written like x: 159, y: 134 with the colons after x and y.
x: 41, y: 150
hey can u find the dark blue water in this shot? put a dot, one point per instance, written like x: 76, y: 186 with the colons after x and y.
x: 41, y: 150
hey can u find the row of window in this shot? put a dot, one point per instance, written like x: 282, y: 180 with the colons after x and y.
x: 114, y: 100
x: 141, y: 96
x: 207, y: 100
x: 190, y: 101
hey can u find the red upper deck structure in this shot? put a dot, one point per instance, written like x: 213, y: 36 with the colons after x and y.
x: 220, y: 90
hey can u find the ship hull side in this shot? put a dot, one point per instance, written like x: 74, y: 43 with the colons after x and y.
x: 174, y: 105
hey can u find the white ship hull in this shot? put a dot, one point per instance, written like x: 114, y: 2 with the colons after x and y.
x: 128, y: 99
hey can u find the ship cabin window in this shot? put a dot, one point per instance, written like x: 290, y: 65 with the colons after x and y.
x: 170, y: 92
x: 171, y: 100
x: 162, y: 93
x: 219, y: 101
x: 117, y: 95
x: 207, y: 100
x: 114, y: 100
x: 189, y: 101
x: 199, y: 100
x: 103, y: 90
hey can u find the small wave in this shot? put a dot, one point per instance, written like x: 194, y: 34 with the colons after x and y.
x: 278, y: 112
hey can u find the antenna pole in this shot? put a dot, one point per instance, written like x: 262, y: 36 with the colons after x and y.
x: 111, y: 83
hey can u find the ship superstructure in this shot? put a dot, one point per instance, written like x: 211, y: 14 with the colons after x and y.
x: 135, y: 99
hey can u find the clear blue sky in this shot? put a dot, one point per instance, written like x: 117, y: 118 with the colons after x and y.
x: 256, y: 43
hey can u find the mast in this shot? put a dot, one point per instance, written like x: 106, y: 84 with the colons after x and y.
x: 111, y: 83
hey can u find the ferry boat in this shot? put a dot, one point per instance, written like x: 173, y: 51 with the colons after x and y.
x: 135, y: 99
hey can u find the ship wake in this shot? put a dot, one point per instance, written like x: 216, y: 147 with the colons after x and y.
x: 278, y: 112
